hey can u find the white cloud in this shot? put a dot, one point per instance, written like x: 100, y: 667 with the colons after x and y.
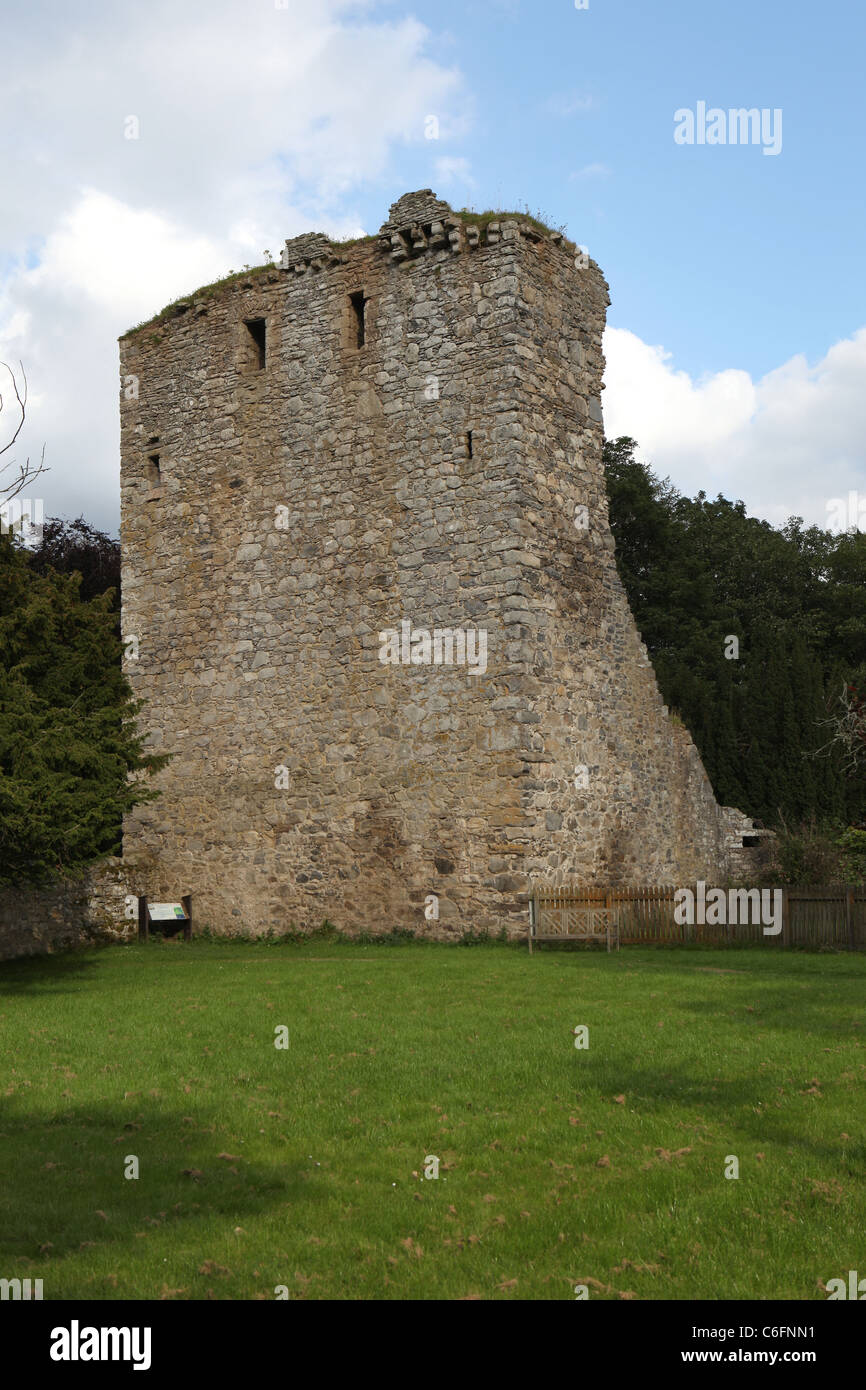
x: 255, y: 124
x: 591, y: 171
x: 104, y: 267
x: 120, y: 259
x: 241, y: 106
x: 452, y: 172
x: 786, y: 444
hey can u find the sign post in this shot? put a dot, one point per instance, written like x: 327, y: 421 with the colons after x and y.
x: 170, y: 916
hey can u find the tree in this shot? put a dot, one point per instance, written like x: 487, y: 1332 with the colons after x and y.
x: 697, y: 572
x: 75, y: 547
x: 71, y: 758
x: 847, y: 725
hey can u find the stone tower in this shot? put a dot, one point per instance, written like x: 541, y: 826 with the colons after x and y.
x: 368, y: 566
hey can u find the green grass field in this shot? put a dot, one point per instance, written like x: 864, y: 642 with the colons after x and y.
x: 304, y: 1167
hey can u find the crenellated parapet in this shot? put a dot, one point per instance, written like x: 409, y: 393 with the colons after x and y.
x: 418, y: 223
x: 310, y: 251
x: 421, y: 222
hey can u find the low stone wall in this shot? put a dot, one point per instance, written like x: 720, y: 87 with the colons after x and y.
x: 69, y: 913
x: 81, y: 912
x: 751, y: 849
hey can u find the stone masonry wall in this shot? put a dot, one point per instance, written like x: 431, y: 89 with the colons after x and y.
x: 69, y: 913
x: 435, y: 473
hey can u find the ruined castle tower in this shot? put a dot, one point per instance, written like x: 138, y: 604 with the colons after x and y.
x: 368, y: 566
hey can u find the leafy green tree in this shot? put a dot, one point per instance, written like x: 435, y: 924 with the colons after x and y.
x: 853, y: 846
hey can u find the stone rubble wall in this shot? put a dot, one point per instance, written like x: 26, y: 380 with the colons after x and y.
x: 69, y: 913
x: 746, y: 862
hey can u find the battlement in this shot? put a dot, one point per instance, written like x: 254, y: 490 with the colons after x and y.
x: 310, y: 249
x: 417, y: 223
x: 421, y: 206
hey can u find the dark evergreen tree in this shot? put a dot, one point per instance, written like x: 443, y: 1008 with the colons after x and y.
x: 71, y: 759
x: 76, y: 547
x: 699, y: 572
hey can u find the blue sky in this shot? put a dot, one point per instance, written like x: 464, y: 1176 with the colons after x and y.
x: 724, y: 254
x: 736, y: 347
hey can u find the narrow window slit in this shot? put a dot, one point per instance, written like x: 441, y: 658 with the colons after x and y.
x: 469, y: 444
x: 358, y: 303
x: 257, y: 329
x: 154, y: 476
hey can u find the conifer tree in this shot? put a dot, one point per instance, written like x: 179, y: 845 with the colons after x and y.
x: 71, y: 758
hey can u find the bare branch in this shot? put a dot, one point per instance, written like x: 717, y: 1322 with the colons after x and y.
x: 21, y: 403
x: 27, y: 471
x: 848, y: 725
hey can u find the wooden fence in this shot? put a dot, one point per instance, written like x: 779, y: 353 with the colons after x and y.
x: 834, y: 916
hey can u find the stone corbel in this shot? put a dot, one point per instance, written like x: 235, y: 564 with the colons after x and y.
x: 418, y: 238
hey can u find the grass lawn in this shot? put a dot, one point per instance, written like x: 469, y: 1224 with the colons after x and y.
x: 304, y: 1167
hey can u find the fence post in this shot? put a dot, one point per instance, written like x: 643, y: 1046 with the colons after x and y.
x: 849, y: 916
x: 531, y: 913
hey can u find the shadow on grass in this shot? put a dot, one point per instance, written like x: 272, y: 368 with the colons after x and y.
x: 46, y: 974
x: 746, y: 1103
x: 791, y: 1012
x: 64, y: 1191
x: 783, y: 1006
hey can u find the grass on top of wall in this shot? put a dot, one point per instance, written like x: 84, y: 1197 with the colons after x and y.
x: 480, y: 219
